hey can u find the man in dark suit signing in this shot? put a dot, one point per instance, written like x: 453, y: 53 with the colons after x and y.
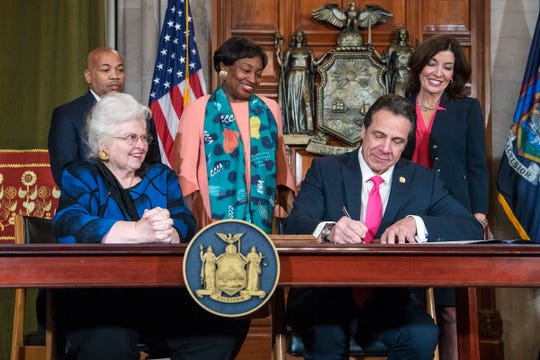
x: 333, y: 205
x: 104, y: 74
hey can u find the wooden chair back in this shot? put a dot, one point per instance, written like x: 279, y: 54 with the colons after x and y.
x: 31, y: 230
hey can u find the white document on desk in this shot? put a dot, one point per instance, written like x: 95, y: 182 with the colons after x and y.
x: 482, y: 242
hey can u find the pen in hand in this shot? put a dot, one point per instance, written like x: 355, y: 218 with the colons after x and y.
x: 345, y: 212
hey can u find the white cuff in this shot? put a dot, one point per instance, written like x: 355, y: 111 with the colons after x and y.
x: 422, y: 235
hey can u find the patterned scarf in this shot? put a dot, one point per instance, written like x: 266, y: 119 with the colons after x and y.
x: 226, y: 167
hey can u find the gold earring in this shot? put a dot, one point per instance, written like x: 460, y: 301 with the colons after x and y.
x: 223, y: 74
x: 104, y: 155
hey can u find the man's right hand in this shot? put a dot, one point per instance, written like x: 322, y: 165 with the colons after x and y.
x: 348, y: 231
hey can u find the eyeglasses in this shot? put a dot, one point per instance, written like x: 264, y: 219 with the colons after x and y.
x: 132, y: 139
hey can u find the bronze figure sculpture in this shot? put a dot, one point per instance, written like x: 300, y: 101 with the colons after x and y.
x: 296, y: 84
x: 398, y: 58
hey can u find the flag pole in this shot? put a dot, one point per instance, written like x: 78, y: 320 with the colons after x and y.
x: 186, y: 88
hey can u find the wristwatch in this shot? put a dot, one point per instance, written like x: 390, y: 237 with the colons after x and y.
x: 325, y: 233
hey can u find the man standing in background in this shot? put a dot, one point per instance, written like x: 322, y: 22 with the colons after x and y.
x: 104, y: 74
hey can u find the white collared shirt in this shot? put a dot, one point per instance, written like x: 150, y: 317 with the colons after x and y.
x: 95, y: 95
x: 367, y: 184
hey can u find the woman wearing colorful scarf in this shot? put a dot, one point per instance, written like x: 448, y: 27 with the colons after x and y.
x: 229, y: 151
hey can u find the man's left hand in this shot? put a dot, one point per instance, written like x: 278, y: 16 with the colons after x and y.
x: 401, y: 232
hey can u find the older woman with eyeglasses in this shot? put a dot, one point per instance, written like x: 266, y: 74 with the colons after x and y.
x: 112, y: 197
x: 122, y: 200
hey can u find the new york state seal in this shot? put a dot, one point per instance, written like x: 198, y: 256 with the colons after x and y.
x: 231, y: 268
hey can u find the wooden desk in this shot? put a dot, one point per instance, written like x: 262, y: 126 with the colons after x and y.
x: 461, y: 266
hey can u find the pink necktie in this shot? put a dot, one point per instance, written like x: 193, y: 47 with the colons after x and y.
x: 361, y: 295
x: 373, y: 209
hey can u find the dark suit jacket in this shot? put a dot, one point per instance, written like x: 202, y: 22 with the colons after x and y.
x: 67, y: 127
x: 458, y: 152
x: 336, y: 181
x: 66, y: 133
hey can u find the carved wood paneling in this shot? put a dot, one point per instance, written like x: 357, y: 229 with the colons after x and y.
x: 447, y: 14
x: 255, y: 17
x: 466, y: 20
x: 259, y: 19
x: 255, y: 20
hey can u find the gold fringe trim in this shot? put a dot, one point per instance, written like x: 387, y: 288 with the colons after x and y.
x: 513, y: 219
x: 14, y: 166
x: 23, y: 150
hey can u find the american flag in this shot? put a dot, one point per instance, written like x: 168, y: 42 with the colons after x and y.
x: 178, y: 76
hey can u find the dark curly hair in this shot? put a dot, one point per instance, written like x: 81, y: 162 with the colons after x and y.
x: 425, y: 52
x: 237, y: 48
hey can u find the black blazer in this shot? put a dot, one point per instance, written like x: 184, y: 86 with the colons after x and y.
x: 336, y: 181
x: 458, y: 151
x: 66, y: 134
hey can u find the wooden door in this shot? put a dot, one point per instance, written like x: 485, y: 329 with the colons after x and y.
x: 258, y: 20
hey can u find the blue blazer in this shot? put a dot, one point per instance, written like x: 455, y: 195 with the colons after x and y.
x: 66, y: 143
x: 457, y: 148
x: 336, y: 181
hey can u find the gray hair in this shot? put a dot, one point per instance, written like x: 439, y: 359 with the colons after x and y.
x: 112, y: 110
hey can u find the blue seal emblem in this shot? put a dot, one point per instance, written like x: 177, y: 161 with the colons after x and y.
x: 231, y: 268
